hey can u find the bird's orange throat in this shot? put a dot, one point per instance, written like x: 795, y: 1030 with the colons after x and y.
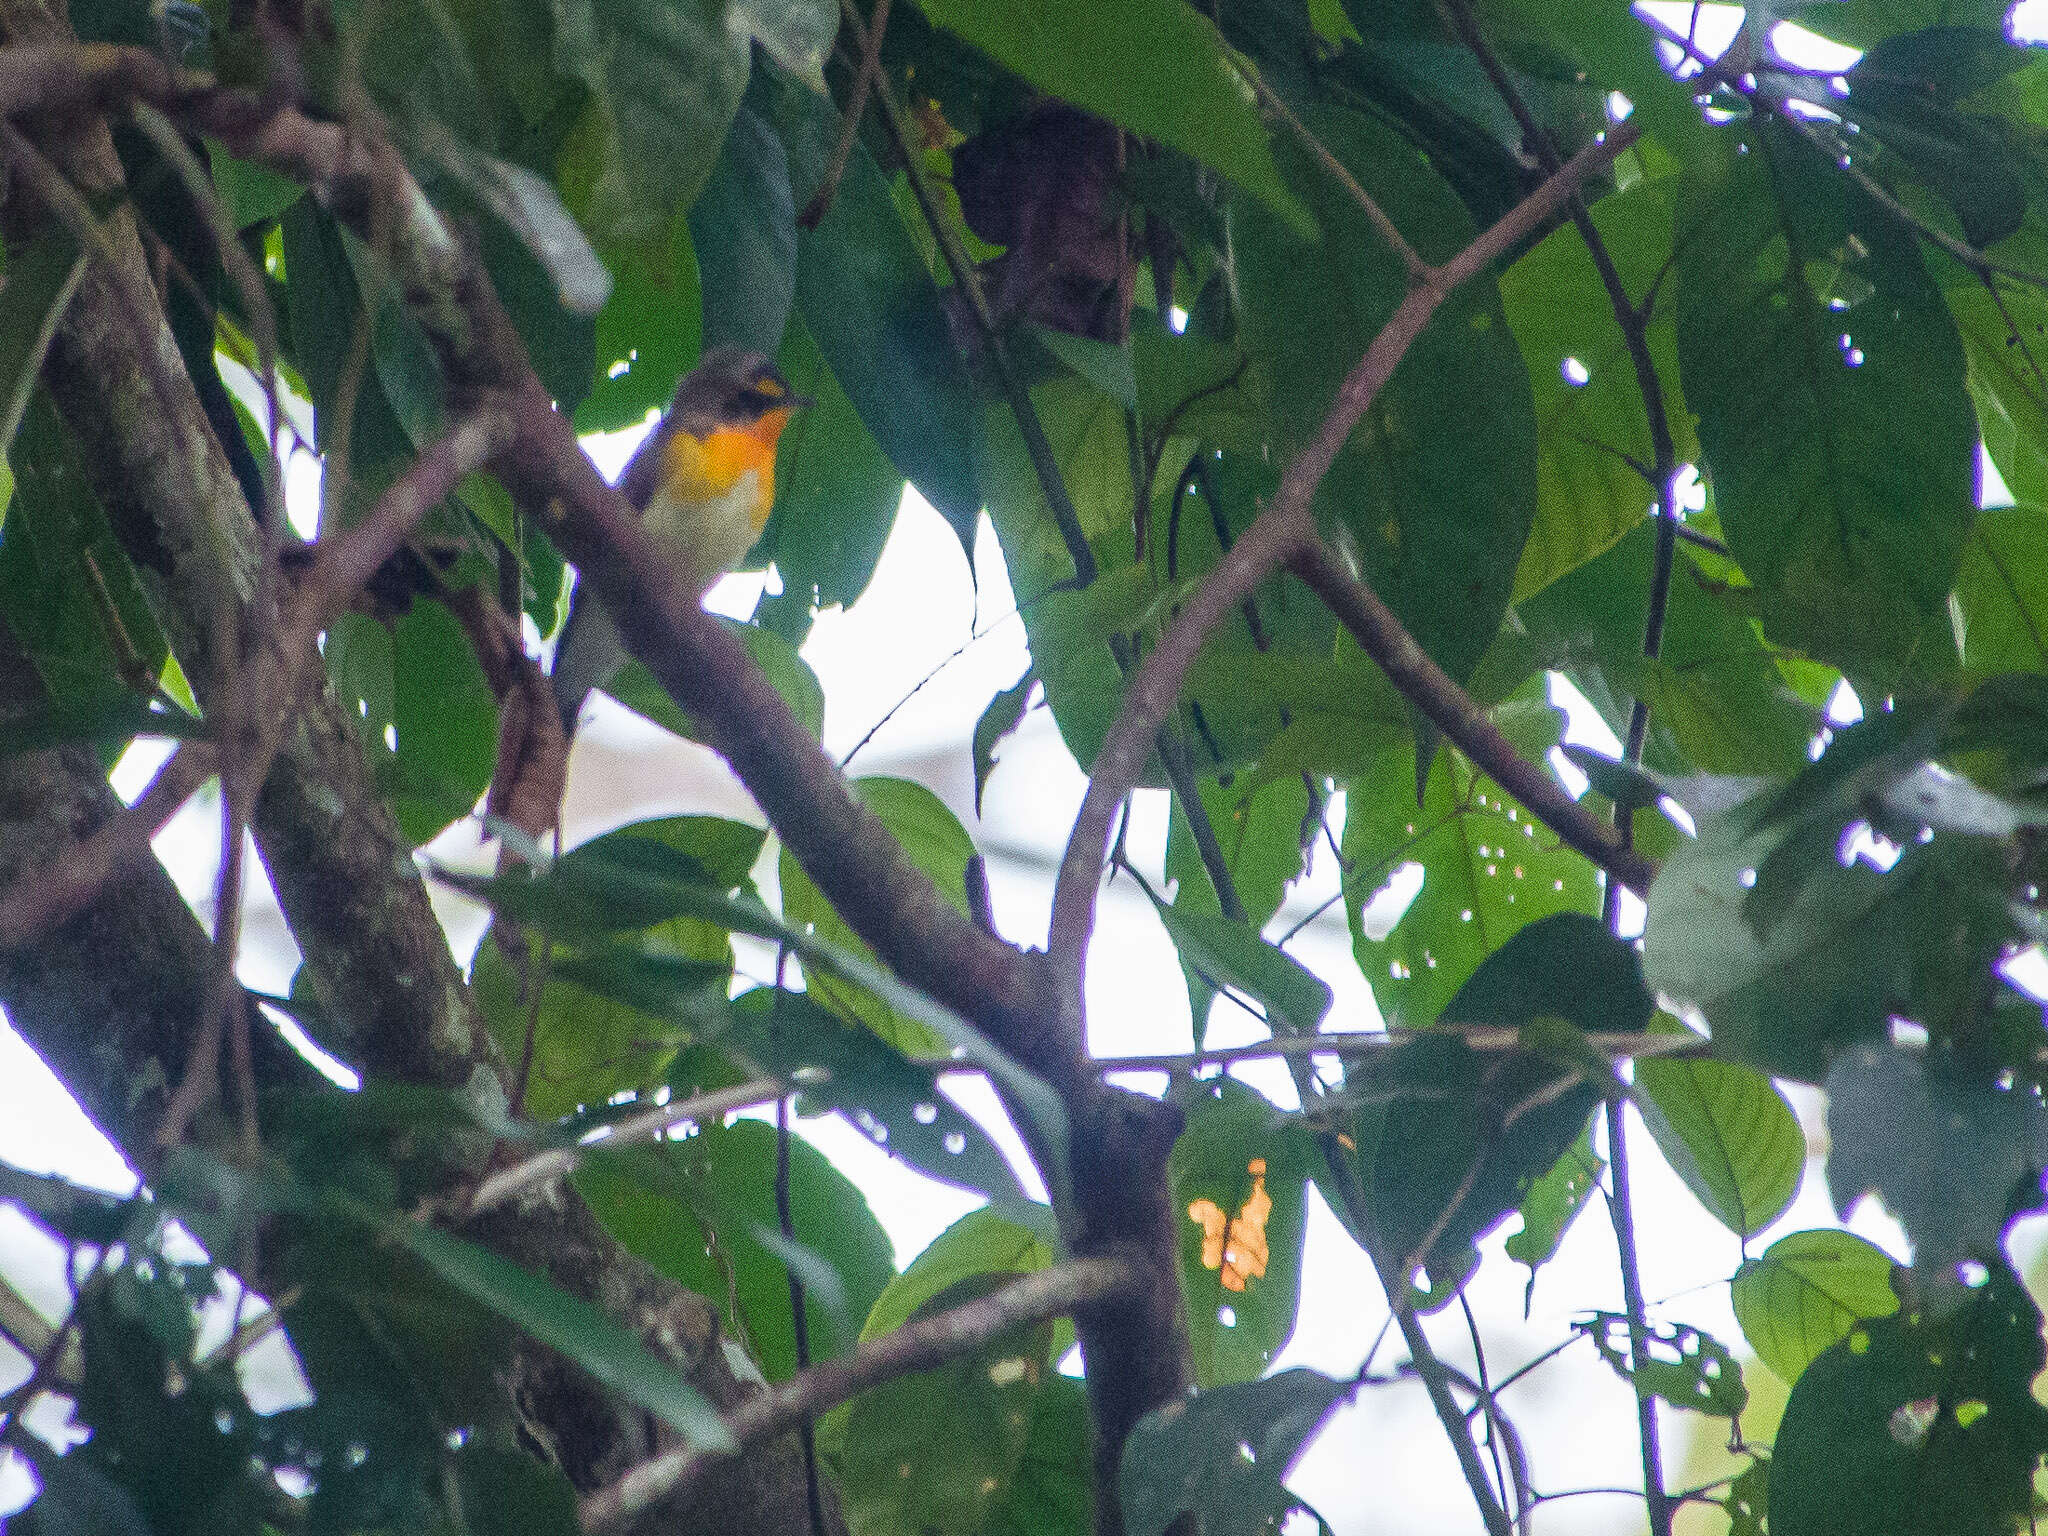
x: 701, y: 468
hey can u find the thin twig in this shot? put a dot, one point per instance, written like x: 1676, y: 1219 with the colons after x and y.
x: 1418, y: 269
x: 557, y: 1162
x: 1622, y: 1209
x: 916, y: 1346
x: 849, y: 129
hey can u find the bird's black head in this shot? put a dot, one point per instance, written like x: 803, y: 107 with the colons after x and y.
x: 731, y: 387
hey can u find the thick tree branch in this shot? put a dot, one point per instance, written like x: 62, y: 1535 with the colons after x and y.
x: 1283, y: 532
x: 916, y: 1346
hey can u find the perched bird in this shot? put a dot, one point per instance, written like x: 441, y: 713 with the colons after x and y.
x: 704, y: 481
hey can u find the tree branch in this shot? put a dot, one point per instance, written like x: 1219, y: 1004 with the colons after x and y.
x: 1284, y: 532
x: 1423, y: 683
x: 916, y: 1346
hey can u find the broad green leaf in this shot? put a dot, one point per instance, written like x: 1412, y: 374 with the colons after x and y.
x: 1854, y: 947
x: 1008, y: 1238
x: 1728, y: 1132
x: 836, y: 494
x: 648, y: 333
x: 665, y: 77
x: 1238, y: 1176
x: 1224, y: 1454
x: 596, y: 1034
x: 939, y: 846
x: 2001, y: 598
x: 251, y: 193
x: 743, y: 229
x: 1685, y: 1366
x: 445, y: 716
x: 1155, y: 67
x: 1591, y: 418
x: 73, y: 600
x: 504, y: 1491
x: 1922, y: 1421
x: 1488, y: 869
x: 1807, y: 1291
x: 1232, y: 955
x: 324, y: 308
x: 576, y: 1328
x: 2005, y: 331
x: 1829, y: 383
x: 1439, y: 513
x: 1954, y: 1158
x: 1259, y: 827
x: 933, y: 1452
x: 1866, y: 23
x: 1450, y: 1140
x: 1106, y: 365
x: 597, y: 891
x: 863, y: 289
x: 704, y: 1218
x: 1052, y: 1491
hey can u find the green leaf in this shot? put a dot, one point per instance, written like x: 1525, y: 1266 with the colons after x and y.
x: 604, y: 1026
x: 2002, y: 592
x: 1728, y: 1132
x: 1685, y: 1366
x: 634, y: 883
x: 1589, y: 405
x: 73, y: 600
x: 1238, y: 1177
x: 1843, y: 469
x: 1107, y: 365
x: 1002, y: 716
x: 516, y: 1495
x: 743, y: 229
x: 864, y: 290
x: 1553, y: 1203
x: 1718, y: 702
x: 1008, y: 1238
x: 702, y: 1211
x: 1855, y: 947
x: 1152, y: 66
x: 894, y: 1102
x: 1052, y: 1491
x: 836, y: 494
x: 1439, y: 513
x: 42, y: 275
x: 1487, y: 869
x: 649, y: 333
x: 446, y: 717
x: 1232, y: 955
x: 1923, y: 1421
x: 2003, y: 332
x: 665, y: 77
x: 933, y: 1452
x: 1223, y: 1453
x: 936, y: 844
x: 252, y: 193
x: 1954, y: 1159
x: 585, y: 1335
x: 1449, y: 1140
x: 1808, y: 1290
x: 797, y: 34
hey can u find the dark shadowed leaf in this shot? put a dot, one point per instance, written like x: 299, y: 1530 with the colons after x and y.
x: 1223, y: 1453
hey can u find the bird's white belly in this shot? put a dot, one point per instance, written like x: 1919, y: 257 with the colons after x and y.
x: 713, y: 535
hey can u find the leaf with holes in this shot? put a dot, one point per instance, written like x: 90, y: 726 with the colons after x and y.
x: 1488, y: 868
x: 1685, y: 1366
